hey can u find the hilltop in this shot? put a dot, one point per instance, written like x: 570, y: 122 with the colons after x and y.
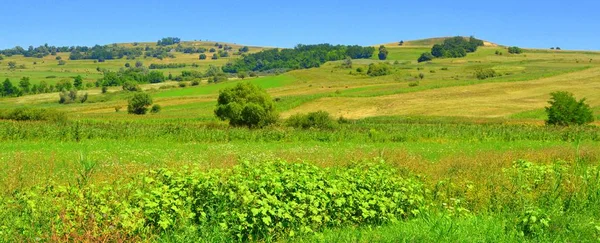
x: 428, y: 42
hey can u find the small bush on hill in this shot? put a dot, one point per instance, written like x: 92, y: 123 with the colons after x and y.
x: 317, y: 120
x: 425, y: 57
x: 515, y: 50
x: 379, y: 69
x: 482, y: 74
x: 246, y: 105
x: 138, y: 104
x: 156, y: 109
x: 565, y: 110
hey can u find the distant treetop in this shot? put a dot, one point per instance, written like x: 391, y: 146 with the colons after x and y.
x: 168, y: 41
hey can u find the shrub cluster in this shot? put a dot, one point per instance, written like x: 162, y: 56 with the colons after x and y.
x: 482, y: 74
x: 33, y: 114
x: 317, y: 120
x: 250, y: 202
x: 379, y: 69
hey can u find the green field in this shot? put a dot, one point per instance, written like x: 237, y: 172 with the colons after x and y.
x: 446, y: 157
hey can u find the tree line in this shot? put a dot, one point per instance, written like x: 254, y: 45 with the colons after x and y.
x: 454, y: 47
x: 300, y: 57
x: 24, y: 86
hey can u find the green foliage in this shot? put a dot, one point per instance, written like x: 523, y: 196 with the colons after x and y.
x: 515, y: 50
x: 565, y: 110
x: 130, y: 86
x: 456, y: 47
x: 316, y: 120
x: 155, y: 109
x: 301, y: 57
x: 486, y: 73
x: 167, y: 65
x: 34, y: 114
x: 246, y: 105
x: 78, y: 82
x: 138, y: 104
x: 202, y: 56
x: 425, y: 57
x: 168, y: 41
x: 379, y: 69
x: 383, y: 53
x: 71, y: 96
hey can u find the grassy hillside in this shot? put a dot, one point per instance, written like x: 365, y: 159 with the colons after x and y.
x: 427, y: 152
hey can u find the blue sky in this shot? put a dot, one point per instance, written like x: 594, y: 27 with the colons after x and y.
x: 541, y: 24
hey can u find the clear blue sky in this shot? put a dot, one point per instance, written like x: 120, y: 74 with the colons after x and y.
x: 542, y: 24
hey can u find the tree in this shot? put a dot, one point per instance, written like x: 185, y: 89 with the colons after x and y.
x: 383, y: 53
x: 62, y: 62
x: 425, y: 57
x: 155, y: 108
x: 139, y: 64
x: 58, y: 58
x: 437, y: 50
x: 242, y: 75
x: 202, y: 56
x: 139, y: 103
x: 244, y: 49
x: 7, y: 88
x: 347, y: 63
x: 78, y: 82
x: 24, y: 84
x: 565, y: 110
x: 401, y: 43
x: 212, y: 50
x: 515, y: 50
x: 127, y: 65
x: 246, y: 105
x: 215, y: 56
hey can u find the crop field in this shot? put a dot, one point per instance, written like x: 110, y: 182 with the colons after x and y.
x: 429, y: 152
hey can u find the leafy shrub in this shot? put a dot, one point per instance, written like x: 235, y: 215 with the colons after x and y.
x: 317, y: 120
x: 283, y: 199
x: 485, y: 73
x: 195, y: 83
x: 425, y: 57
x: 62, y: 62
x: 565, y: 110
x: 379, y: 69
x: 515, y: 50
x: 182, y: 84
x: 156, y: 108
x: 246, y: 105
x: 33, y: 114
x: 383, y: 53
x: 138, y: 104
x: 130, y: 86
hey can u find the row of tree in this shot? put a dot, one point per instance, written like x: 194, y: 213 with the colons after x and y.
x: 302, y: 56
x: 138, y: 75
x: 454, y: 47
x: 167, y: 41
x: 24, y: 87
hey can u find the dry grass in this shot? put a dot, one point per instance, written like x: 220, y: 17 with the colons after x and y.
x: 482, y: 100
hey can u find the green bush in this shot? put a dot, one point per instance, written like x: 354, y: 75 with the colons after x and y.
x: 317, y: 120
x: 33, y: 114
x: 156, y: 108
x: 425, y: 57
x: 515, y: 50
x: 565, y: 110
x: 131, y: 86
x: 379, y: 69
x: 246, y: 105
x: 485, y: 73
x: 138, y: 104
